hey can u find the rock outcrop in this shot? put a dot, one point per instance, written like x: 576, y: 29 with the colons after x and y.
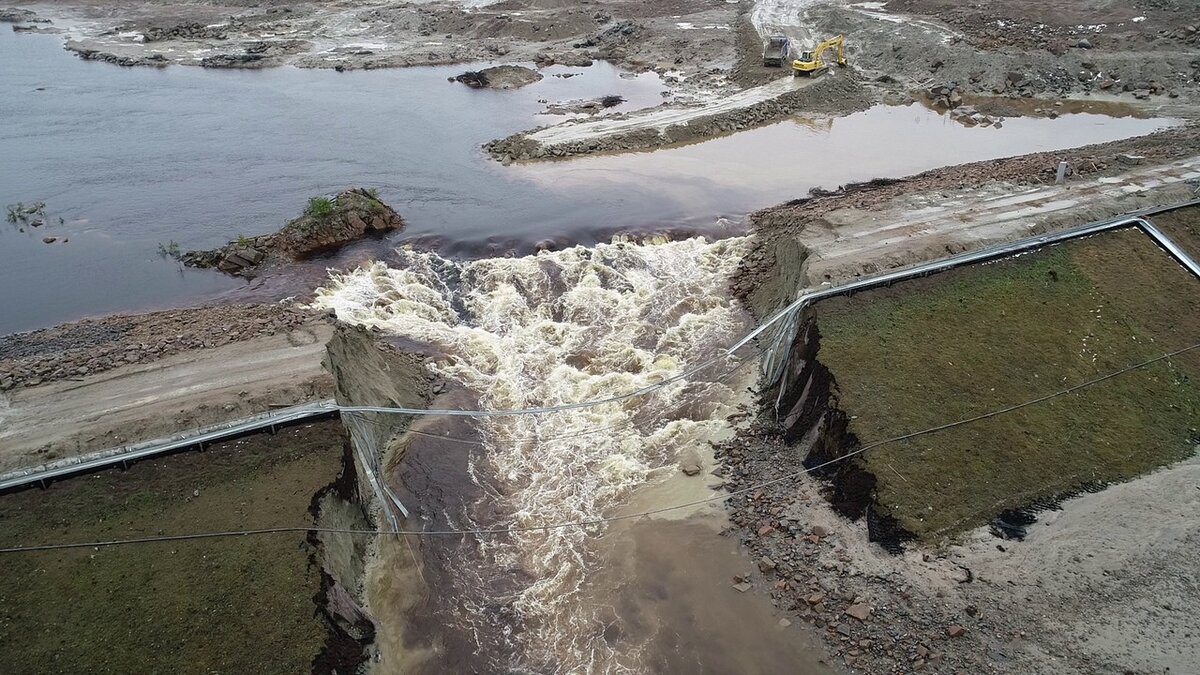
x: 499, y: 77
x: 327, y: 225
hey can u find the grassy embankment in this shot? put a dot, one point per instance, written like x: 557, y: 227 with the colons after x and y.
x: 982, y: 338
x: 216, y: 605
x: 1183, y: 227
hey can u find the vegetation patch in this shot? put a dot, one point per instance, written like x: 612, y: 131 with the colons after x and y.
x: 978, y: 339
x: 319, y: 207
x: 227, y: 605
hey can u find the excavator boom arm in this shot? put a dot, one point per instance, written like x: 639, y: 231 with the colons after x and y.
x: 810, y: 62
x: 839, y: 42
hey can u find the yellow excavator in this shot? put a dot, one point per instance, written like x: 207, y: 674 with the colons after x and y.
x: 810, y: 62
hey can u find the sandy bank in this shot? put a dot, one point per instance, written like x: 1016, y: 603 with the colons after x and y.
x: 171, y: 393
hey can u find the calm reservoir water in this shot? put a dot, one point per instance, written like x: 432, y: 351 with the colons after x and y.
x: 133, y: 158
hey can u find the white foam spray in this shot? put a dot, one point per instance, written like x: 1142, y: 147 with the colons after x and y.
x: 553, y: 328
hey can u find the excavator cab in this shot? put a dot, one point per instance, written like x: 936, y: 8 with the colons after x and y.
x: 811, y: 62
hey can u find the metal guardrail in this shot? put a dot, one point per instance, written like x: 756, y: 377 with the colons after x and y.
x: 198, y: 438
x: 775, y: 358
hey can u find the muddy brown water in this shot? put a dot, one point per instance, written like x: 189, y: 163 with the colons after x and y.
x: 133, y: 158
x: 634, y: 594
x: 665, y: 585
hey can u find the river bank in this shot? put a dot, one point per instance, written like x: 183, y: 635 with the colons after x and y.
x: 706, y: 54
x: 139, y: 204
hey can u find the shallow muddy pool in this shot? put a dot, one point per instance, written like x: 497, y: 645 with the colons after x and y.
x: 760, y: 167
x: 131, y: 159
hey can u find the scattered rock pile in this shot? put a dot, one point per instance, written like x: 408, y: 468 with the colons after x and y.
x: 96, y: 345
x: 184, y: 31
x: 1189, y: 34
x: 244, y: 60
x: 328, y: 224
x: 946, y: 96
x: 867, y: 620
x: 15, y: 15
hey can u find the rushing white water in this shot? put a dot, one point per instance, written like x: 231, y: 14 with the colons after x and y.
x: 561, y: 327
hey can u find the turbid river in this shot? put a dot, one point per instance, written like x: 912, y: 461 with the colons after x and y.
x: 630, y: 596
x: 133, y: 158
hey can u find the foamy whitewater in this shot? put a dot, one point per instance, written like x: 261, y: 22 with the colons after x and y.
x: 553, y: 328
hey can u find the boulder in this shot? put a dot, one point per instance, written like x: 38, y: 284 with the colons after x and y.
x: 499, y: 77
x: 858, y: 611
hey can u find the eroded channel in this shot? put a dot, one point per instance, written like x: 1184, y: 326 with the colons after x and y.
x: 636, y: 594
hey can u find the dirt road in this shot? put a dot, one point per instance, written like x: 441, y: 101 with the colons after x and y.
x: 658, y: 119
x: 783, y: 17
x: 857, y: 242
x: 143, y: 401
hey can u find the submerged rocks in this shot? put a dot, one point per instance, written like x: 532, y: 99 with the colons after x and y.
x: 499, y: 77
x: 327, y: 224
